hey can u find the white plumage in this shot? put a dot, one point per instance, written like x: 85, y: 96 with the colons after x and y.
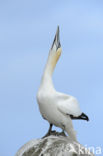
x: 54, y: 106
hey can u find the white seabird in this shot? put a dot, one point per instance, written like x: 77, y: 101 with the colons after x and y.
x: 57, y: 108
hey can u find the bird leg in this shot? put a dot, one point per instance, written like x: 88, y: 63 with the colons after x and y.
x: 62, y: 133
x: 50, y: 132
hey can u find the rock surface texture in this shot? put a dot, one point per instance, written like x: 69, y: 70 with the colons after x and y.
x: 53, y: 146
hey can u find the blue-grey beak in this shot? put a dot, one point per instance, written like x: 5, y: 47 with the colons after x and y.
x: 56, y: 41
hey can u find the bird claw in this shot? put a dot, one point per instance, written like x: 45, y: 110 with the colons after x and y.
x: 50, y: 133
x: 62, y: 134
x: 55, y: 133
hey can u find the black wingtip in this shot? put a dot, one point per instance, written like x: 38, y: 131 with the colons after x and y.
x: 85, y: 116
x: 80, y: 117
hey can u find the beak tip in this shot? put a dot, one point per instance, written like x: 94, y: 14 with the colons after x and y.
x: 58, y: 28
x: 57, y: 33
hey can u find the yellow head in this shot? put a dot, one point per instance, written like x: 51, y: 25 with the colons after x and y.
x: 55, y: 58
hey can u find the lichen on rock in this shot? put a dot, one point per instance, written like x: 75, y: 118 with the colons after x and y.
x: 53, y: 146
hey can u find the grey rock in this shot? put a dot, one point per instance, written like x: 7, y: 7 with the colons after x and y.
x: 53, y: 146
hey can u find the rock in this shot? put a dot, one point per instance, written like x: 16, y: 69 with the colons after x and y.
x: 53, y: 146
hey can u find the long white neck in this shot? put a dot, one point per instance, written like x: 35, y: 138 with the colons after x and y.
x: 49, y: 68
x: 46, y: 81
x: 47, y: 75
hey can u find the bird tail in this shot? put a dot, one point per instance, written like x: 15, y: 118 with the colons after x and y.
x: 70, y: 130
x: 72, y: 133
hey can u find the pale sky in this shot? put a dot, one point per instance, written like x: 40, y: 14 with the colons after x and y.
x: 27, y: 29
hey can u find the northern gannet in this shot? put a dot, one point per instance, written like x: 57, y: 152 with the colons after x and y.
x: 57, y: 108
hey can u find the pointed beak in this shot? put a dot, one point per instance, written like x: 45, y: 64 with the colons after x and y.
x: 56, y: 42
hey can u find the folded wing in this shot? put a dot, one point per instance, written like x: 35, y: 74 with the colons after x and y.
x: 69, y: 106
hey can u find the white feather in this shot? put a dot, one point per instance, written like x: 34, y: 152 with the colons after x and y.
x: 68, y: 105
x: 55, y: 106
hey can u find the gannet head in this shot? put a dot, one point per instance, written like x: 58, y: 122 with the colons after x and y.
x: 55, y: 51
x: 56, y: 43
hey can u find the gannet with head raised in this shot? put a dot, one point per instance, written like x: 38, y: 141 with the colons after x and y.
x: 57, y: 108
